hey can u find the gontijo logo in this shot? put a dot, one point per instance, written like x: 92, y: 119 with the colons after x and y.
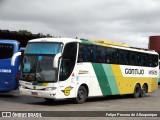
x: 134, y: 71
x: 138, y: 71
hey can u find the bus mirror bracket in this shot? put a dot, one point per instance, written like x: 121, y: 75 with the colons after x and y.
x: 56, y: 59
x: 14, y: 58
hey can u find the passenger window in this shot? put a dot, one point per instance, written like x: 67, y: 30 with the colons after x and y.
x: 114, y: 56
x: 133, y: 58
x: 127, y: 58
x: 155, y: 60
x: 139, y: 60
x: 94, y: 53
x: 150, y: 61
x: 122, y: 59
x: 84, y: 51
x: 99, y: 56
x: 109, y: 55
x: 104, y: 54
x: 89, y: 53
x: 144, y: 60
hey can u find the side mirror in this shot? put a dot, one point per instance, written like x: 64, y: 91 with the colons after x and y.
x: 56, y: 59
x: 14, y: 58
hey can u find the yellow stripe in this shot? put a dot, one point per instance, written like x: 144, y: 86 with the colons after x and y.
x: 109, y: 43
x: 126, y: 84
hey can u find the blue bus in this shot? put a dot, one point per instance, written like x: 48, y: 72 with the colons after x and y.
x: 9, y: 75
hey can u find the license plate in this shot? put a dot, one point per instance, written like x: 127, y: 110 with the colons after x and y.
x: 34, y: 93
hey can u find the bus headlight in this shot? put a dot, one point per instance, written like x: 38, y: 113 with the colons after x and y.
x: 51, y: 88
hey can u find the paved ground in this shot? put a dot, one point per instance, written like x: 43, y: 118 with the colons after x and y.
x: 13, y: 101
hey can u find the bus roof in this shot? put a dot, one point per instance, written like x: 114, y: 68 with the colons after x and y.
x: 63, y: 40
x: 95, y: 42
x: 8, y: 41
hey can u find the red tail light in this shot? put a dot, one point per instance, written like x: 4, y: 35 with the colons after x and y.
x: 17, y: 76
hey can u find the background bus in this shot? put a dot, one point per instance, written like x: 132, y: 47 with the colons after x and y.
x: 9, y: 75
x: 58, y: 68
x: 154, y: 44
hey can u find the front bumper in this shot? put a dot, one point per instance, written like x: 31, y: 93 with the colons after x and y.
x: 38, y: 93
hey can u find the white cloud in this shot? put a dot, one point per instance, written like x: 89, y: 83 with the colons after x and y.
x: 126, y: 21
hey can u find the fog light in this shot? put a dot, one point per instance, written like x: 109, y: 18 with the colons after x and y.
x: 52, y: 94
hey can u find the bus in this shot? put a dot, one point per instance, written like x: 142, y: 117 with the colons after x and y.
x: 9, y: 74
x: 60, y: 68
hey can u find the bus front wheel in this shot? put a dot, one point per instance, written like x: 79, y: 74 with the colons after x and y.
x: 137, y: 91
x: 81, y: 95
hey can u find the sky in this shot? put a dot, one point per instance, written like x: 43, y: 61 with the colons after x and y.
x: 124, y: 21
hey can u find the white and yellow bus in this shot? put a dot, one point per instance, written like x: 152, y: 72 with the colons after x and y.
x: 60, y: 68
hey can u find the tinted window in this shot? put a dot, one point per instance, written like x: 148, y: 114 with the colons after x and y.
x: 133, y: 58
x: 68, y: 60
x: 122, y: 57
x: 109, y: 55
x: 144, y: 60
x: 6, y: 51
x: 101, y: 54
x: 114, y: 56
x: 43, y: 48
x: 127, y: 57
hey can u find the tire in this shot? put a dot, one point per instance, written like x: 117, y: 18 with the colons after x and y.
x: 81, y: 95
x: 144, y: 90
x: 48, y: 100
x: 137, y: 91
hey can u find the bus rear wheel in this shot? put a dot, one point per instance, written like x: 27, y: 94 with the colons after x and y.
x: 144, y: 90
x: 81, y: 95
x: 137, y: 91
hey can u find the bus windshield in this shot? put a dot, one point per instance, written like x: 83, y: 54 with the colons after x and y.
x: 7, y: 49
x: 37, y: 64
x: 43, y: 48
x: 38, y: 68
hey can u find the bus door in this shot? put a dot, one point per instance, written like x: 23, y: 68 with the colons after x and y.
x: 6, y: 52
x: 66, y: 68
